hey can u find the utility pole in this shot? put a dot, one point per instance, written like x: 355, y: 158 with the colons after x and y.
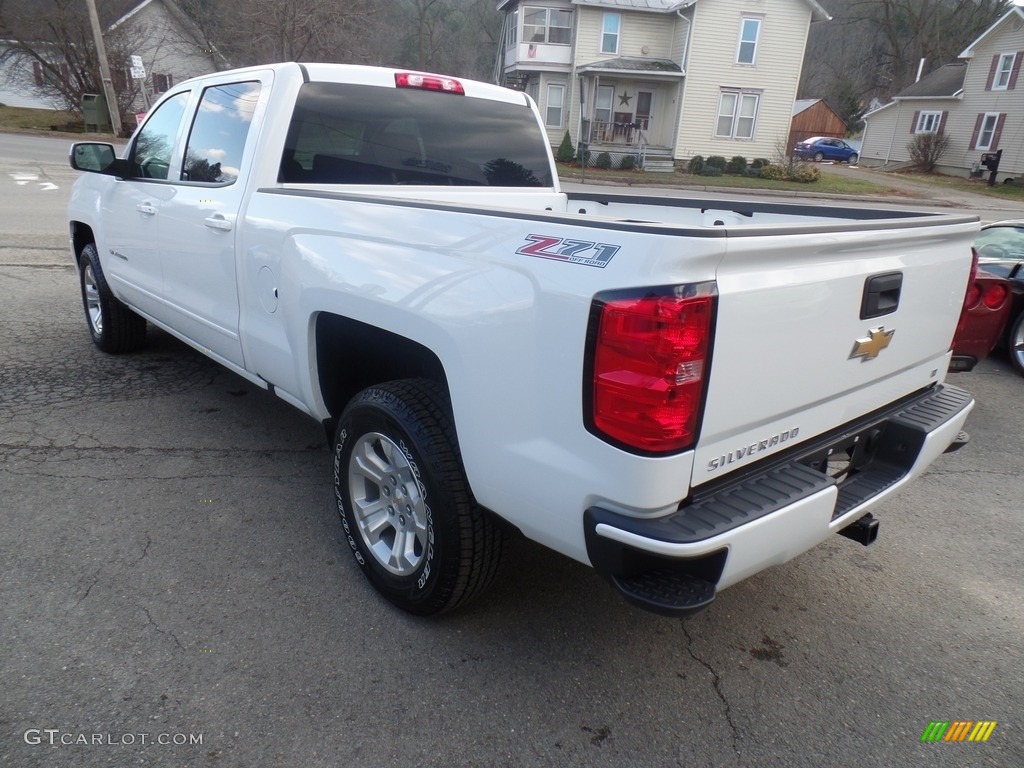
x: 101, y: 54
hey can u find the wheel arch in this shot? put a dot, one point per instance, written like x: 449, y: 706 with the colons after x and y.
x: 81, y: 236
x: 380, y: 356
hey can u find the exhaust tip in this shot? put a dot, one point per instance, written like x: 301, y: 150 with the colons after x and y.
x: 863, y: 530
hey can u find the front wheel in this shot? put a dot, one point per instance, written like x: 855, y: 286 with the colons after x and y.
x: 113, y: 327
x: 404, y: 501
x: 853, y: 160
x: 1015, y: 343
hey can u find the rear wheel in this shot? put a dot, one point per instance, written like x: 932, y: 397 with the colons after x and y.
x: 114, y: 328
x: 818, y: 157
x: 404, y: 501
x: 1015, y: 343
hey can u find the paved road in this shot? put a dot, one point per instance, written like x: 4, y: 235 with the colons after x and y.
x: 172, y: 570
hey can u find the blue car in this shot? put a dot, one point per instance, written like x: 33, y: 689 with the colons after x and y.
x: 818, y: 148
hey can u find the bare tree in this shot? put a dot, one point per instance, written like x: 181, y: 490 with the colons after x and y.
x: 872, y: 48
x: 250, y: 32
x: 52, y: 40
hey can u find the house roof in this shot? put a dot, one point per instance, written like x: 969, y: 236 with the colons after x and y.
x: 111, y: 12
x: 658, y: 6
x: 944, y: 83
x: 801, y: 104
x: 1015, y: 11
x: 623, y: 64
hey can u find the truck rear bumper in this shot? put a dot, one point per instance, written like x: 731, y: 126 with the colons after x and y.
x: 774, y: 512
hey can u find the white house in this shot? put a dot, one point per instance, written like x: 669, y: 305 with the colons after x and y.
x: 667, y: 79
x: 977, y: 101
x: 156, y: 30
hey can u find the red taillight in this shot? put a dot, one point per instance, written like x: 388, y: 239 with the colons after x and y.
x: 429, y: 83
x: 994, y: 295
x: 650, y: 362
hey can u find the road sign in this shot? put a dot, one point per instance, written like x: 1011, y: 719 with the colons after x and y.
x: 138, y: 73
x: 137, y: 61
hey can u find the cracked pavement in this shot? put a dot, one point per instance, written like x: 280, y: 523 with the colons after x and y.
x: 171, y: 563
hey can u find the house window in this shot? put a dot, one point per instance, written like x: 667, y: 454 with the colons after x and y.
x: 737, y: 113
x: 553, y: 110
x: 928, y: 122
x: 750, y: 31
x: 512, y: 30
x: 603, y: 103
x: 1003, y: 70
x: 610, y: 29
x: 987, y: 131
x: 547, y: 25
x: 162, y: 82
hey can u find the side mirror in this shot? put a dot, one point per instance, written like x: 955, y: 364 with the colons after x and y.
x: 97, y: 157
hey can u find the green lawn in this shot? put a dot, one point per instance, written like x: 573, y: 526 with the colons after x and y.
x: 958, y: 183
x: 25, y: 120
x: 828, y: 183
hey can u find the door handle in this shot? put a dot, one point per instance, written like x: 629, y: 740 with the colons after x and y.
x: 146, y: 208
x: 218, y: 222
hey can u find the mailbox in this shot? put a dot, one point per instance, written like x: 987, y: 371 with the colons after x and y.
x: 991, y: 160
x: 94, y: 110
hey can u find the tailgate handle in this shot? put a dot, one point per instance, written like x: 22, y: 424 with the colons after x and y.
x: 881, y: 295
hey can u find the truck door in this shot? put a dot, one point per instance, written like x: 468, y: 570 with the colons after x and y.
x: 132, y: 207
x: 197, y: 226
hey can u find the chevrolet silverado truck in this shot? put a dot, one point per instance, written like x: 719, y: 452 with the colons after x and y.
x: 679, y: 393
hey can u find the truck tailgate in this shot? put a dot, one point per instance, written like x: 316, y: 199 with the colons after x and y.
x: 816, y: 329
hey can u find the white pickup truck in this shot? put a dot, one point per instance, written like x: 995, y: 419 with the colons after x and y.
x: 679, y: 393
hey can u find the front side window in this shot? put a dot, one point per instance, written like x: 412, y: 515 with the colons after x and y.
x: 556, y: 100
x: 737, y: 114
x: 151, y: 154
x: 750, y: 31
x: 547, y: 25
x: 928, y: 122
x: 221, y: 126
x: 611, y: 25
x: 986, y: 134
x: 343, y: 133
x: 1003, y: 70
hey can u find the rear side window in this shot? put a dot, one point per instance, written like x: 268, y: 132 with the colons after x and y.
x: 360, y: 134
x: 217, y: 139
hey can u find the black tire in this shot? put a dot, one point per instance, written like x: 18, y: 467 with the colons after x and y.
x: 400, y: 487
x: 818, y: 157
x: 852, y: 160
x: 1015, y: 342
x: 114, y: 328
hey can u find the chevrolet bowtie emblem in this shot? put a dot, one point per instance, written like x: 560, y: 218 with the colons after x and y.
x: 868, y: 349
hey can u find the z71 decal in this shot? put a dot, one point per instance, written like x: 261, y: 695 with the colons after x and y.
x: 573, y: 251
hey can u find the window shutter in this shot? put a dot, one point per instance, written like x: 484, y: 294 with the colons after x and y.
x: 999, y: 131
x: 170, y: 82
x: 1017, y: 58
x: 977, y: 130
x: 992, y: 73
x: 942, y: 122
x: 37, y: 72
x: 913, y: 123
x: 64, y: 72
